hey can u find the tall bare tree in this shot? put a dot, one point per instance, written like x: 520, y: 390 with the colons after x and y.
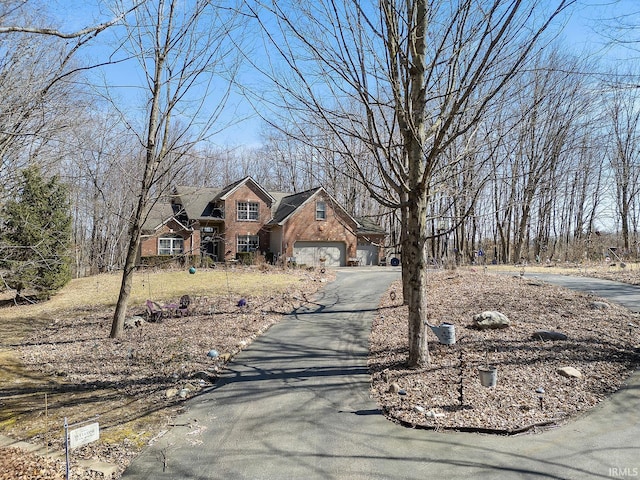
x: 43, y: 89
x: 185, y: 52
x: 398, y: 76
x: 624, y: 155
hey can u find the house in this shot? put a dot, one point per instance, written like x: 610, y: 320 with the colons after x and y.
x: 309, y: 227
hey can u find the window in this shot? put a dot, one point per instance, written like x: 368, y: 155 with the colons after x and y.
x: 248, y: 211
x: 247, y: 243
x: 170, y: 246
x: 321, y: 210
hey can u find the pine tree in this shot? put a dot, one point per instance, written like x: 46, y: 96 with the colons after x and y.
x: 36, y: 236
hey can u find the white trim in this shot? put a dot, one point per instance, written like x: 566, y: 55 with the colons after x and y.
x: 334, y: 204
x: 184, y: 227
x: 171, y: 248
x: 243, y: 182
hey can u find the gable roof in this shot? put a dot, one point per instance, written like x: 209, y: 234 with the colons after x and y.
x: 369, y: 227
x: 289, y: 204
x: 196, y: 201
x: 229, y: 189
x: 197, y: 204
x: 160, y: 214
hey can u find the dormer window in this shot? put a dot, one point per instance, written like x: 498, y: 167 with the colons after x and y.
x: 248, y: 211
x: 321, y: 210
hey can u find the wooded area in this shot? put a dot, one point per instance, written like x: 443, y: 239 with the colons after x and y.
x: 465, y: 128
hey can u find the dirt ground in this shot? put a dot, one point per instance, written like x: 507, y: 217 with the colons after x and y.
x: 137, y: 384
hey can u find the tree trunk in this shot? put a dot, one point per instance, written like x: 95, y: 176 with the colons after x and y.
x: 414, y: 253
x: 127, y: 280
x: 152, y: 160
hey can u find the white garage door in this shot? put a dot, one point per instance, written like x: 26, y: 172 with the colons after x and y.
x: 367, y: 254
x: 310, y: 253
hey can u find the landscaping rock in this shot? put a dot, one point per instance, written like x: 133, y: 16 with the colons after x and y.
x: 548, y: 335
x: 434, y: 414
x: 490, y: 320
x: 204, y: 376
x: 570, y: 372
x: 171, y: 392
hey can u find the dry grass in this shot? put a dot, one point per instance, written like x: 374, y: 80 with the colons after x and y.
x: 164, y: 285
x: 60, y: 351
x: 563, y: 268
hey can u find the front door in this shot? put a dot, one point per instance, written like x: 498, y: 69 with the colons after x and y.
x: 209, y: 243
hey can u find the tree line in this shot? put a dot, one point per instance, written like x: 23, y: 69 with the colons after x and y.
x: 470, y: 130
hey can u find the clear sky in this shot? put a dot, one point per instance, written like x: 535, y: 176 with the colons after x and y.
x: 126, y: 80
x: 580, y: 34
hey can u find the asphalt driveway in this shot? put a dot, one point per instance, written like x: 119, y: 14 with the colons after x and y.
x: 296, y: 404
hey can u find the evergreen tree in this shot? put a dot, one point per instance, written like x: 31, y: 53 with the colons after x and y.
x: 36, y: 236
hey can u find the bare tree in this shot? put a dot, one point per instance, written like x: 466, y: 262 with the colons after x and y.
x: 624, y: 156
x: 398, y: 77
x: 41, y: 83
x: 182, y: 49
x: 12, y: 15
x: 100, y: 154
x: 551, y: 103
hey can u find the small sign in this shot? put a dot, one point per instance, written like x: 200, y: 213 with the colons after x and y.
x: 83, y: 435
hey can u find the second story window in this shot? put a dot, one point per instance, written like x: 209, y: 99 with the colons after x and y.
x: 248, y: 211
x: 321, y: 210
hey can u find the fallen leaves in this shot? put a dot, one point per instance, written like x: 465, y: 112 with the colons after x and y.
x: 16, y: 464
x: 135, y: 383
x: 599, y: 345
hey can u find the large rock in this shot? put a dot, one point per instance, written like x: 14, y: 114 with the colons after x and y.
x: 570, y: 372
x: 171, y: 392
x: 490, y: 319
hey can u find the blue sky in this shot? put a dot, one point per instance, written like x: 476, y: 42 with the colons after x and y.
x: 579, y: 35
x: 126, y: 81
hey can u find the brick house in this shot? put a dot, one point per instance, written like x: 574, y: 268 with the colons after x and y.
x: 224, y: 224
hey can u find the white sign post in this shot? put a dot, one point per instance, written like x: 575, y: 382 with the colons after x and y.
x: 79, y: 436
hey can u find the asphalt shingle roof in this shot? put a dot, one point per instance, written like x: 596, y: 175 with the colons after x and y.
x: 289, y: 203
x: 197, y: 203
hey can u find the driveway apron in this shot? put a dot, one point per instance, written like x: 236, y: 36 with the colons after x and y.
x: 296, y: 404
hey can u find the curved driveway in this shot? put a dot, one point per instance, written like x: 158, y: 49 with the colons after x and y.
x: 296, y: 405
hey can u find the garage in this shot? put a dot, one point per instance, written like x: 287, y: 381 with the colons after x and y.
x: 367, y: 254
x: 310, y: 253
